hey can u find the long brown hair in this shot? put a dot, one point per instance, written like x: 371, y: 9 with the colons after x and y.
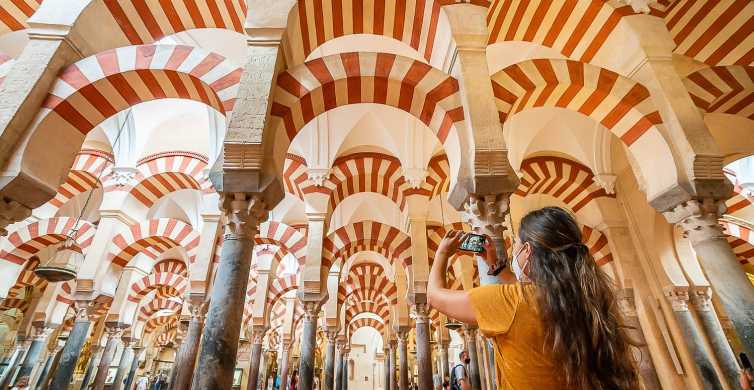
x: 577, y: 304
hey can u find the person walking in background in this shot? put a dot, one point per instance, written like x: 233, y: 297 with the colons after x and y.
x: 459, y: 377
x: 555, y: 321
x: 142, y: 383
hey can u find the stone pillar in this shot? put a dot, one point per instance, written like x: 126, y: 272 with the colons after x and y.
x: 70, y: 354
x: 386, y: 379
x: 341, y: 345
x: 423, y: 349
x: 124, y: 364
x: 634, y: 331
x: 701, y: 299
x: 186, y: 357
x: 345, y: 368
x: 113, y: 337
x: 22, y: 346
x: 486, y: 215
x: 403, y: 356
x: 679, y: 299
x: 329, y: 377
x: 33, y: 354
x: 474, y: 374
x: 393, y: 382
x: 699, y: 221
x: 93, y: 361
x: 219, y: 346
x: 444, y: 362
x: 53, y: 361
x: 136, y: 352
x: 257, y: 336
x: 284, y: 364
x: 308, y: 345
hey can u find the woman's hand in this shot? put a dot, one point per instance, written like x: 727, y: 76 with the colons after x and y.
x: 450, y: 243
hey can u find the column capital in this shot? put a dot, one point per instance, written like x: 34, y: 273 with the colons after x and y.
x: 701, y: 298
x: 486, y: 213
x: 331, y: 333
x: 311, y: 310
x: 243, y: 213
x: 257, y: 334
x: 698, y: 219
x: 402, y: 334
x: 420, y: 312
x: 198, y: 309
x: 678, y: 296
x: 41, y: 331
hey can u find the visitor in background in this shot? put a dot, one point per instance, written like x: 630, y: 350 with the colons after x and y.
x: 555, y: 321
x: 459, y: 378
x: 293, y: 385
x: 142, y: 383
x: 21, y: 384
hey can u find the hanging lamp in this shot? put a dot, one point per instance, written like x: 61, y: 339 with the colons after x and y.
x: 453, y: 325
x: 64, y: 264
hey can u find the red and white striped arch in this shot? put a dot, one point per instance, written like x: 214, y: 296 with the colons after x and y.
x: 365, y: 322
x: 741, y: 240
x: 14, y: 303
x: 156, y: 305
x: 167, y: 336
x: 354, y: 308
x: 14, y: 13
x: 597, y: 243
x: 295, y: 175
x: 438, y: 176
x: 171, y: 266
x: 740, y: 200
x: 286, y: 237
x: 412, y: 22
x: 566, y: 180
x: 366, y: 235
x: 723, y: 89
x: 169, y: 172
x: 146, y: 21
x: 320, y: 85
x: 576, y: 28
x: 618, y: 103
x: 98, y: 87
x: 26, y: 240
x: 713, y: 32
x: 153, y: 237
x: 167, y: 284
x: 366, y: 172
x: 369, y: 276
x: 280, y: 286
x: 157, y: 322
x: 90, y: 167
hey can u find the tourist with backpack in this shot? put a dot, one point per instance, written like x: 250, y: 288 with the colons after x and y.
x: 459, y: 378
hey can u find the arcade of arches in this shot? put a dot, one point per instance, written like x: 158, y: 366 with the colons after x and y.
x: 224, y: 192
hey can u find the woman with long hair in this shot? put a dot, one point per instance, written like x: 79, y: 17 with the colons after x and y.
x: 554, y: 322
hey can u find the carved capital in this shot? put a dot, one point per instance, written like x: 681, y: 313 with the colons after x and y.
x: 414, y: 176
x: 11, y: 212
x: 311, y: 310
x: 606, y: 181
x: 243, y: 213
x: 701, y: 298
x: 332, y: 334
x: 486, y: 214
x: 421, y: 313
x: 198, y: 310
x: 41, y: 331
x: 678, y: 296
x: 318, y: 175
x: 698, y: 219
x: 402, y: 335
x: 470, y: 333
x: 626, y: 302
x: 123, y: 176
x: 257, y: 334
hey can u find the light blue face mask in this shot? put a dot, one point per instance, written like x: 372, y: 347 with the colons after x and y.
x: 519, y: 270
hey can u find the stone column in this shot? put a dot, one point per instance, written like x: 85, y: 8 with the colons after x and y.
x: 345, y: 367
x: 341, y: 344
x: 70, y: 354
x: 33, y: 354
x: 393, y: 379
x: 284, y: 364
x: 219, y: 346
x: 186, y: 357
x: 403, y: 356
x: 136, y: 352
x: 444, y: 362
x: 644, y: 362
x: 257, y: 336
x: 93, y: 361
x: 486, y: 215
x: 329, y: 382
x: 386, y: 351
x: 124, y: 364
x: 701, y: 299
x: 50, y: 368
x: 113, y: 337
x: 474, y: 374
x: 679, y: 299
x: 423, y: 349
x: 308, y: 345
x: 699, y: 221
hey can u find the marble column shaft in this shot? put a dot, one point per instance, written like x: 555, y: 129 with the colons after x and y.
x: 134, y: 367
x: 123, y: 365
x: 393, y: 381
x: 111, y: 347
x: 386, y: 385
x: 699, y: 221
x: 219, y: 345
x: 93, y: 361
x: 339, y: 369
x: 701, y: 298
x: 255, y: 360
x: 41, y: 380
x: 186, y: 359
x: 46, y: 378
x: 32, y: 356
x: 474, y: 372
x: 345, y: 372
x: 15, y: 361
x: 329, y: 382
x: 423, y: 349
x: 308, y: 346
x: 403, y: 356
x: 284, y: 368
x: 444, y: 362
x: 71, y: 351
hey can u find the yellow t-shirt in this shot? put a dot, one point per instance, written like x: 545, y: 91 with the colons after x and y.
x: 508, y: 315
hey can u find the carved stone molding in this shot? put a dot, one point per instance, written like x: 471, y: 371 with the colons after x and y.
x: 701, y: 298
x: 414, y: 176
x: 698, y: 219
x: 486, y: 214
x: 318, y: 175
x: 421, y: 313
x: 678, y: 296
x: 123, y: 176
x: 257, y: 334
x: 243, y: 214
x: 311, y: 310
